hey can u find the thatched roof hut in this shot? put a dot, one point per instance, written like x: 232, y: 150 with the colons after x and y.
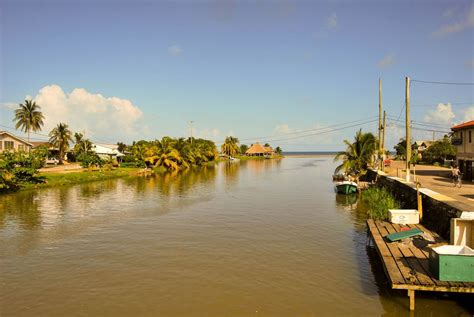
x: 259, y: 150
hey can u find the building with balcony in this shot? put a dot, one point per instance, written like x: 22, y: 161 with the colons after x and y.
x: 463, y: 140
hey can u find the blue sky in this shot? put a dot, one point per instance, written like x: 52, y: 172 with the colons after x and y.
x: 129, y: 70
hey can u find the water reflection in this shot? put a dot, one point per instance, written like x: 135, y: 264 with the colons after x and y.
x: 348, y: 202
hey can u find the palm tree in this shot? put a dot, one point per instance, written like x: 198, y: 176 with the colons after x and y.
x: 60, y: 137
x: 28, y: 117
x: 230, y: 146
x: 358, y: 154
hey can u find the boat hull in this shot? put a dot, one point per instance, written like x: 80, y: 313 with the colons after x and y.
x: 346, y: 188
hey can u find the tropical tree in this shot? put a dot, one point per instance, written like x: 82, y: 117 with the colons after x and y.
x: 440, y: 151
x: 230, y: 146
x: 278, y: 150
x: 357, y: 155
x: 28, y: 117
x: 81, y: 145
x: 243, y: 148
x: 121, y: 147
x: 60, y: 137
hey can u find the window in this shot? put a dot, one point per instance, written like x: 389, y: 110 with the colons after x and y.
x: 470, y: 136
x: 21, y: 147
x: 8, y: 145
x: 461, y: 135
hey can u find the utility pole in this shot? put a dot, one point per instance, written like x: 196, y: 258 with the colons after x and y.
x: 408, y: 127
x: 380, y: 125
x: 191, y: 131
x: 383, y: 138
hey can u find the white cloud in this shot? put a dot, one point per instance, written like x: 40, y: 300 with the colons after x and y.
x: 103, y: 118
x: 469, y: 114
x: 332, y: 22
x: 9, y: 105
x: 465, y: 22
x: 175, y: 50
x: 443, y: 114
x: 386, y: 62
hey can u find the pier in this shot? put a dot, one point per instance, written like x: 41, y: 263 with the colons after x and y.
x: 406, y: 264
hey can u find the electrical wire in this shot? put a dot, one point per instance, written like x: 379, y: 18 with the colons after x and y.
x: 441, y: 82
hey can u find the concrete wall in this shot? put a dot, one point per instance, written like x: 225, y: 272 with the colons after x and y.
x: 436, y: 214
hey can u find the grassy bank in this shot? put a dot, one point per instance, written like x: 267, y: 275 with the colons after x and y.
x: 53, y: 179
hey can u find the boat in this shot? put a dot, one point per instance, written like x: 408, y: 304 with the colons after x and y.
x: 346, y: 187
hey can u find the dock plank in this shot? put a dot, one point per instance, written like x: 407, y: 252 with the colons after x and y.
x: 406, y: 264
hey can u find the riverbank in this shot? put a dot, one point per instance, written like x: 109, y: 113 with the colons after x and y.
x: 60, y: 178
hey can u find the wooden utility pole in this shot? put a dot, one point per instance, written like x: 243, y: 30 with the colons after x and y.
x: 408, y: 127
x: 380, y: 124
x: 383, y: 137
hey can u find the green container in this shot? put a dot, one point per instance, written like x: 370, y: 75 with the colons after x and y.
x: 452, y: 263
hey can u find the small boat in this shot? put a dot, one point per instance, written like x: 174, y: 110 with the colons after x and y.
x: 346, y: 187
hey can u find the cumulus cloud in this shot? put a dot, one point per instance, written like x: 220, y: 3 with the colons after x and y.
x: 386, y: 62
x: 213, y: 134
x: 469, y: 114
x: 443, y: 114
x: 464, y: 22
x: 175, y: 50
x: 103, y: 118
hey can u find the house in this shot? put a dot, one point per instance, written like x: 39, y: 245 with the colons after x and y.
x: 463, y: 140
x: 423, y: 145
x: 259, y: 150
x: 9, y: 141
x: 107, y: 151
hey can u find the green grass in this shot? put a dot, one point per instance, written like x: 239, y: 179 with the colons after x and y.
x: 377, y: 201
x: 61, y: 179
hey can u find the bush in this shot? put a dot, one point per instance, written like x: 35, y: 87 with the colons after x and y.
x: 90, y: 160
x: 138, y: 164
x: 377, y: 201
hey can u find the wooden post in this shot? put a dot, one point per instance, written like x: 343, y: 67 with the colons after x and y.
x: 383, y: 140
x: 380, y: 124
x: 419, y: 199
x: 411, y: 294
x: 408, y: 128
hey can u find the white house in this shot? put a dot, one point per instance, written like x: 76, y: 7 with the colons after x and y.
x: 107, y: 151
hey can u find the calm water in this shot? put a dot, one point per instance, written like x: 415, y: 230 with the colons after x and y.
x: 257, y: 238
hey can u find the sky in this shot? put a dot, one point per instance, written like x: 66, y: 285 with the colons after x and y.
x: 267, y: 71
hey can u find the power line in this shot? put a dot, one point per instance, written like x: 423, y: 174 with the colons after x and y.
x: 450, y: 103
x: 422, y: 123
x: 441, y: 82
x: 322, y: 132
x: 304, y: 131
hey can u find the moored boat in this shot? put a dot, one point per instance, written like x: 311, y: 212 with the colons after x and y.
x: 346, y: 187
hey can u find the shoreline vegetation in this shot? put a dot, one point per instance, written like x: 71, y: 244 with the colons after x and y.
x: 19, y: 167
x: 80, y: 176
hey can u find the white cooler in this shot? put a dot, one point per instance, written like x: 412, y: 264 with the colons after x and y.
x: 404, y: 216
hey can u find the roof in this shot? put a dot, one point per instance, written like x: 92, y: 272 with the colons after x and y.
x: 16, y: 137
x: 268, y: 149
x: 40, y: 143
x: 108, y: 149
x: 465, y: 125
x: 255, y: 149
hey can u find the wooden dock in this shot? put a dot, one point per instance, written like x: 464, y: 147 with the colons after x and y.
x: 406, y: 262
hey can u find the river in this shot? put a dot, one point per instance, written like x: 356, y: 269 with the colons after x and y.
x: 253, y: 238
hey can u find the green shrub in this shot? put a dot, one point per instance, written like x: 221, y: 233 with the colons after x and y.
x: 89, y: 160
x: 138, y: 164
x: 377, y: 201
